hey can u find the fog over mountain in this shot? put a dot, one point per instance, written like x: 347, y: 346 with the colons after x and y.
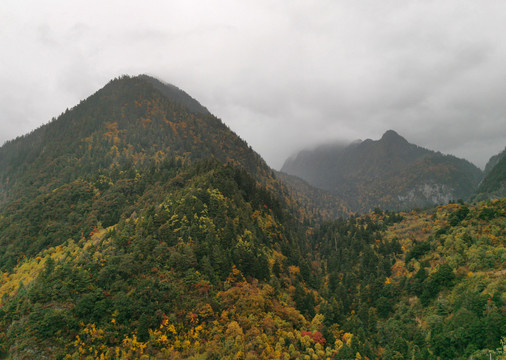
x: 284, y: 76
x: 388, y: 173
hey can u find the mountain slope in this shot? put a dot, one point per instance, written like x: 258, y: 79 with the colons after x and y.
x: 182, y: 245
x: 493, y: 186
x: 389, y: 173
x: 493, y: 162
x: 418, y: 285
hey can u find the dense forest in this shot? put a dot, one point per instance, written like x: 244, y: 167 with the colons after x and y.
x: 138, y: 226
x: 494, y: 183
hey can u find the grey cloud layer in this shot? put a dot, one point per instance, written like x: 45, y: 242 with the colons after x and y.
x: 283, y: 75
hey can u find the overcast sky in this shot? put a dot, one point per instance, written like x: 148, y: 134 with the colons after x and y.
x: 284, y: 75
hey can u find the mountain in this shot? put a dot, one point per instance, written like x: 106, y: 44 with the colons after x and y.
x: 134, y: 210
x: 132, y: 125
x: 493, y: 185
x: 389, y: 173
x: 131, y: 120
x: 137, y: 226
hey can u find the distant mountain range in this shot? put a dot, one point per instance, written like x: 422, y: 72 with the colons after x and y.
x: 389, y: 173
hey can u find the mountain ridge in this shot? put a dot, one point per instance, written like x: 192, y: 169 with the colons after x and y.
x: 393, y: 172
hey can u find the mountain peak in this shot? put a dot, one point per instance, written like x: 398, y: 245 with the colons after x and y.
x: 388, y: 173
x: 391, y: 135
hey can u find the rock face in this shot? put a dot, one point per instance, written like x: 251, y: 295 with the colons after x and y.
x: 435, y: 193
x: 389, y: 173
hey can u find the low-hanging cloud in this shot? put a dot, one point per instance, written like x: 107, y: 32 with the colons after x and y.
x: 283, y: 75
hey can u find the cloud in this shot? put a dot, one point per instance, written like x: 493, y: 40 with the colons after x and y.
x: 283, y: 75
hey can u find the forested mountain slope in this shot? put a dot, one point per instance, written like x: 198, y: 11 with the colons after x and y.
x: 492, y: 162
x: 168, y: 260
x: 389, y: 173
x: 493, y: 186
x: 419, y: 285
